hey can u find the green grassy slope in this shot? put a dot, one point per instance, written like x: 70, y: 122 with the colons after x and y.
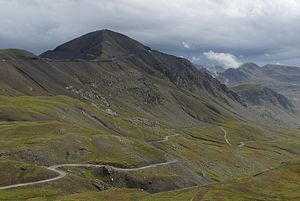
x: 132, y: 111
x: 281, y: 183
x: 46, y: 135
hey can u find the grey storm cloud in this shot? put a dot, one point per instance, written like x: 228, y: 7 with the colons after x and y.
x: 263, y: 31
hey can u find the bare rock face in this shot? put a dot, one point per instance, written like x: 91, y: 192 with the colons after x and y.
x: 113, y: 71
x: 259, y: 95
x: 111, y: 47
x: 103, y: 44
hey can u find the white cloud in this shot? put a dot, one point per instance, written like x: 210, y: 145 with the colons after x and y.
x: 225, y: 59
x: 195, y: 59
x: 185, y: 45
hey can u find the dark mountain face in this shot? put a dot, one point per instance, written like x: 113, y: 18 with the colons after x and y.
x: 234, y: 76
x: 259, y: 95
x: 122, y: 73
x: 104, y: 44
x: 268, y: 104
x: 113, y: 46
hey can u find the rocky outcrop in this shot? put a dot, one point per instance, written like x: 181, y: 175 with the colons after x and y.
x: 258, y: 95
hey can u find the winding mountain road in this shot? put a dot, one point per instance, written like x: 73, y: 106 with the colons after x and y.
x: 225, y: 135
x: 226, y: 139
x: 62, y: 174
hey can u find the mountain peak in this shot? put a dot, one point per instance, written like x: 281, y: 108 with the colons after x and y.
x: 250, y: 66
x: 102, y: 44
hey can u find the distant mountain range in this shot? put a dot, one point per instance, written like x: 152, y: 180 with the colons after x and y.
x: 269, y: 75
x: 270, y: 83
x: 214, y: 70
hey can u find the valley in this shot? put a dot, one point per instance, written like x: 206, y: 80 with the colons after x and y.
x: 104, y: 117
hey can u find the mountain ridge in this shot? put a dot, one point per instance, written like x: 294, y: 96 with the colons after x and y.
x: 132, y: 77
x: 283, y: 80
x: 178, y: 70
x: 104, y: 44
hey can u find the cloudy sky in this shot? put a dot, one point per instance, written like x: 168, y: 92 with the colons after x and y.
x: 226, y: 32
